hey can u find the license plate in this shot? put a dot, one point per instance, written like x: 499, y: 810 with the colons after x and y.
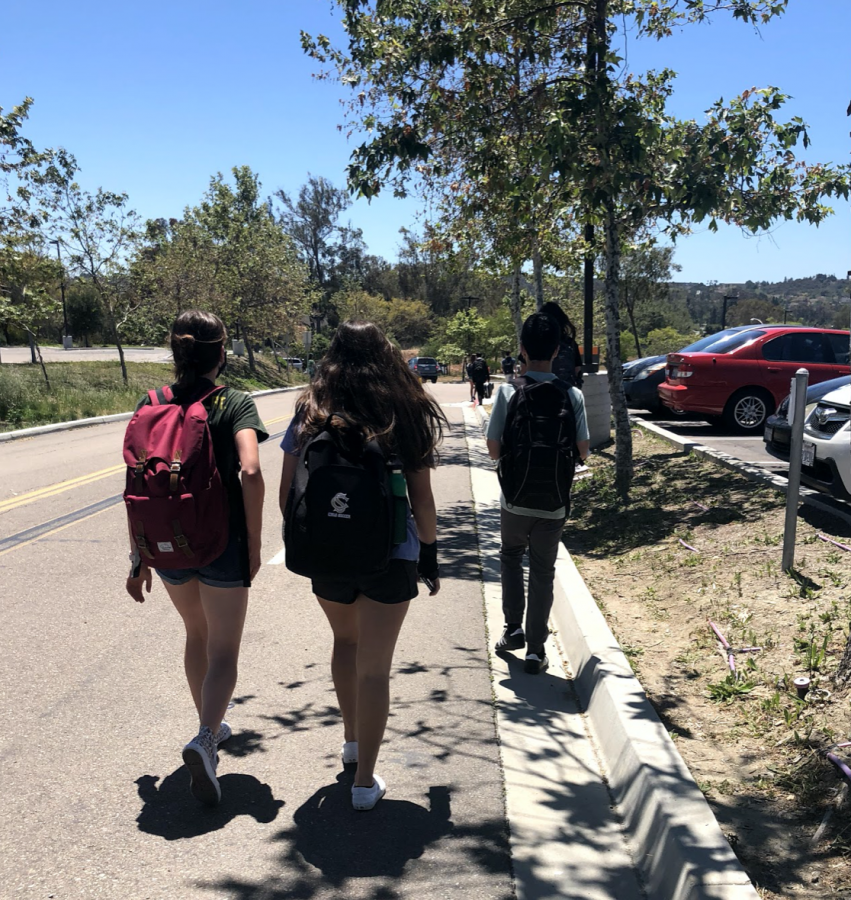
x: 769, y: 434
x: 808, y: 454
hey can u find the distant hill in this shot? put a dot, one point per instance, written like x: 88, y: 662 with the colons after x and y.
x: 821, y: 300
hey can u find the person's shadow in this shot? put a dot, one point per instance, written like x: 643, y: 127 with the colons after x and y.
x: 169, y: 811
x: 344, y: 843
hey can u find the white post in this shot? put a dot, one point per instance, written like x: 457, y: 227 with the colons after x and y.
x: 797, y: 408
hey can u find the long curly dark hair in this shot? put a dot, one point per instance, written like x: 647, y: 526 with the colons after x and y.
x: 364, y: 377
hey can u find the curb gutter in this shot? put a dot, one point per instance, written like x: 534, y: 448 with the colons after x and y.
x: 104, y: 420
x: 677, y: 842
x: 751, y: 471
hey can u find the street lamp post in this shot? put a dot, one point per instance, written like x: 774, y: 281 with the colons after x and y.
x: 724, y: 309
x: 65, y: 334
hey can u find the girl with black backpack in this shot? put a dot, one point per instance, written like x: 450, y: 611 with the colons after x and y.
x: 363, y: 404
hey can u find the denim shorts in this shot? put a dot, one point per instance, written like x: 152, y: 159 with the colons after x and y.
x: 229, y: 570
x: 397, y: 585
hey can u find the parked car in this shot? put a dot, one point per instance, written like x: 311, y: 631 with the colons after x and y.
x: 425, y: 367
x: 826, y: 457
x: 778, y: 431
x: 292, y: 362
x: 642, y: 377
x: 742, y: 377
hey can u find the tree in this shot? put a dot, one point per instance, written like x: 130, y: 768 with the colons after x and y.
x: 85, y: 313
x: 646, y: 274
x: 261, y: 283
x: 311, y: 220
x: 28, y: 279
x: 99, y: 234
x: 464, y: 333
x: 610, y: 148
x: 745, y: 311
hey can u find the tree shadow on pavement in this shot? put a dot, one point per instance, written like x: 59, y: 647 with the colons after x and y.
x: 333, y: 850
x: 169, y: 811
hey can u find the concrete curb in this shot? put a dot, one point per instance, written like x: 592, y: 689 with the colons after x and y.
x: 104, y: 420
x: 677, y: 842
x: 749, y: 470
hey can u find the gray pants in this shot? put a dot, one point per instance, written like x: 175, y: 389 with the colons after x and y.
x: 541, y: 537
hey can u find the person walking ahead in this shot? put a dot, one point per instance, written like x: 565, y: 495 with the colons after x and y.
x: 536, y: 426
x: 364, y: 417
x: 480, y: 374
x: 205, y: 544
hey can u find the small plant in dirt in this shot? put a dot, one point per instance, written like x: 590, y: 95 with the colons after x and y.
x: 730, y: 688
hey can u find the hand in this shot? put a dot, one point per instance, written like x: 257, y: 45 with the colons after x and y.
x: 134, y: 585
x: 254, y: 561
x: 436, y: 587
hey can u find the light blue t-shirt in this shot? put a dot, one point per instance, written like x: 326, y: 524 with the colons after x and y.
x: 410, y: 548
x: 496, y: 425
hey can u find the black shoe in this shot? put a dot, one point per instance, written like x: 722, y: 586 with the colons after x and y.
x: 536, y: 661
x: 512, y: 638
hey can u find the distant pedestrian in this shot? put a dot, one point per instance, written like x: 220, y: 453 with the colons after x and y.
x: 536, y: 425
x: 568, y: 364
x: 480, y: 374
x: 311, y: 367
x: 195, y: 504
x: 360, y: 521
x: 507, y: 364
x: 469, y: 371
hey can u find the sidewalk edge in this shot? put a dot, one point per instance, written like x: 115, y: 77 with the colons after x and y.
x: 103, y: 420
x: 678, y: 844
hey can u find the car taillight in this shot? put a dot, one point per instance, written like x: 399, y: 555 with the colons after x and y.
x: 684, y: 372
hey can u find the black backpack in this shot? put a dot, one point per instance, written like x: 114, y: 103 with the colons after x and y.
x: 479, y: 372
x: 538, y: 450
x: 339, y: 520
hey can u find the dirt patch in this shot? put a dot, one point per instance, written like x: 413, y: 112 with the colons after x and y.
x: 699, y: 542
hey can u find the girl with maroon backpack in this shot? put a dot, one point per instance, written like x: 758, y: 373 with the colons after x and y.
x: 194, y: 499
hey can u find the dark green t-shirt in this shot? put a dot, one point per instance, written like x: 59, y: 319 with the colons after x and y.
x: 228, y: 412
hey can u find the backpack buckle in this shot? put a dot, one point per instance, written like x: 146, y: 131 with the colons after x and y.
x: 180, y: 538
x: 175, y: 472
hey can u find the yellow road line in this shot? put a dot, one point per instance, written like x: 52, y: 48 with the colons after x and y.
x: 81, y: 481
x: 54, y: 489
x: 40, y: 537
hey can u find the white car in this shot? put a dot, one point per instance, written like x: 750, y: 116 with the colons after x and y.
x: 827, y: 445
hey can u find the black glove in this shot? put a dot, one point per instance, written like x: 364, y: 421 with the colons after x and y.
x: 427, y: 566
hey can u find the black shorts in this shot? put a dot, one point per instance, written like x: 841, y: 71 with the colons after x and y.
x: 397, y: 585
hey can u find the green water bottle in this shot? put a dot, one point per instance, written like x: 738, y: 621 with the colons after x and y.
x: 400, y: 505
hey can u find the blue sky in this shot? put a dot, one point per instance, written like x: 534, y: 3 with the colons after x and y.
x: 154, y: 98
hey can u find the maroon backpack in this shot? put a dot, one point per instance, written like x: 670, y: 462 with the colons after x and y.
x: 177, y: 506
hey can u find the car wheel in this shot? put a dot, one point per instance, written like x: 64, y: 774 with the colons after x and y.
x: 747, y: 410
x: 434, y: 380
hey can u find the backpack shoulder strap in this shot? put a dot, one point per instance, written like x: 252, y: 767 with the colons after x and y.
x: 161, y: 396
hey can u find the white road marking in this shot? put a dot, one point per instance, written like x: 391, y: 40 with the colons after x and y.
x: 278, y: 558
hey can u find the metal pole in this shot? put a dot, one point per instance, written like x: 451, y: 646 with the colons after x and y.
x: 797, y: 408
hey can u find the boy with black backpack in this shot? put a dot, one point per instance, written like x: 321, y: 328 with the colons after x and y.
x: 480, y: 375
x: 537, y: 430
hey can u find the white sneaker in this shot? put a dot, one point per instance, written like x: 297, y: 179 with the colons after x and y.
x: 349, y: 753
x: 225, y: 733
x: 201, y: 758
x: 366, y: 797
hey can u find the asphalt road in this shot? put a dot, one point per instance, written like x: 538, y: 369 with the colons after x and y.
x: 747, y: 449
x: 93, y: 794
x: 85, y: 354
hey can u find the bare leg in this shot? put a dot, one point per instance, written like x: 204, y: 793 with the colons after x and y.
x: 378, y: 628
x: 344, y: 623
x: 187, y: 601
x: 224, y: 609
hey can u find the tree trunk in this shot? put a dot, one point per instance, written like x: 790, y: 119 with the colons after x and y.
x: 31, y: 337
x: 538, y: 269
x: 514, y: 303
x: 36, y: 349
x: 121, y: 358
x: 623, y: 432
x: 631, y: 313
x: 843, y: 671
x: 249, y: 350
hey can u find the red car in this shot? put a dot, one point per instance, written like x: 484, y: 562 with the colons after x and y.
x: 741, y: 377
